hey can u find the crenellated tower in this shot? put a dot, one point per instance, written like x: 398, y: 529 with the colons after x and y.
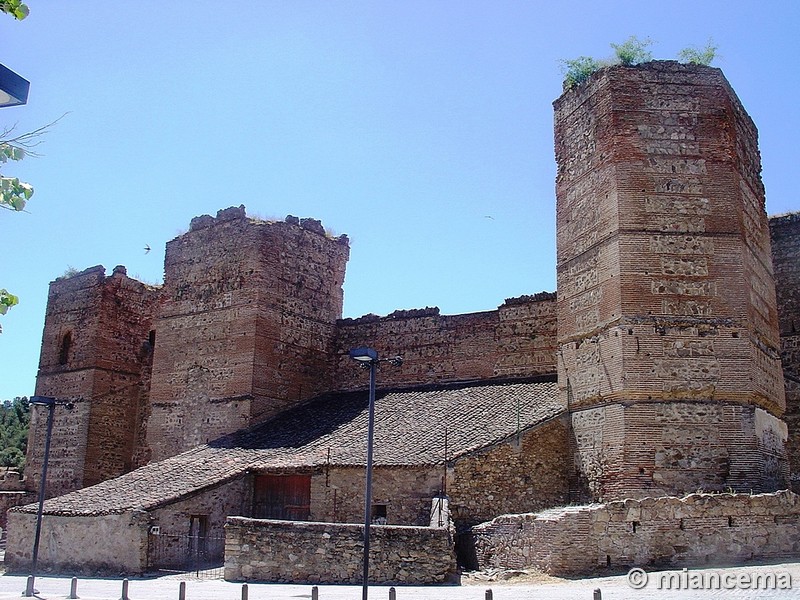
x: 246, y: 328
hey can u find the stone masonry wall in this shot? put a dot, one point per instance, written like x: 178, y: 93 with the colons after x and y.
x: 109, y: 544
x: 337, y: 493
x: 298, y: 552
x: 516, y: 340
x: 256, y: 303
x: 168, y: 548
x: 665, y: 289
x: 785, y: 235
x: 96, y: 352
x: 698, y: 530
x: 519, y: 475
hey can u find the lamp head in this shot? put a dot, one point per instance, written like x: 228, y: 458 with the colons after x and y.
x: 364, y: 354
x: 13, y: 88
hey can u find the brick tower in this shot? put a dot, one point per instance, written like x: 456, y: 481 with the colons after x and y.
x: 246, y: 327
x: 669, y: 348
x: 96, y: 352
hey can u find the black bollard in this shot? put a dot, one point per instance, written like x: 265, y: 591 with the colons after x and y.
x: 489, y: 594
x: 182, y: 591
x: 29, y: 591
x: 244, y: 591
x: 598, y: 595
x: 314, y: 593
x: 392, y: 594
x: 125, y: 590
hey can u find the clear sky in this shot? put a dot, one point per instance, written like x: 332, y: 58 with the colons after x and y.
x: 421, y: 128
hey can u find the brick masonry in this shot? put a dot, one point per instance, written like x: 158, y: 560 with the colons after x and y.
x: 96, y: 352
x: 698, y: 530
x: 516, y: 340
x: 785, y: 236
x: 256, y: 302
x: 665, y: 284
x: 299, y: 552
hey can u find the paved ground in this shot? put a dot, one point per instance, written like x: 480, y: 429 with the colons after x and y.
x: 612, y: 588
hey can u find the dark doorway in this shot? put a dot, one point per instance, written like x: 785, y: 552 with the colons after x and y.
x: 285, y: 497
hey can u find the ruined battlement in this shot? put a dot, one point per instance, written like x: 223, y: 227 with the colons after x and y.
x: 517, y: 340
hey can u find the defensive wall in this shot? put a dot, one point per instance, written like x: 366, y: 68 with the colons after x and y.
x: 698, y: 530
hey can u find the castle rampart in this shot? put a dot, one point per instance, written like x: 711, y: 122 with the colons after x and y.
x: 517, y: 340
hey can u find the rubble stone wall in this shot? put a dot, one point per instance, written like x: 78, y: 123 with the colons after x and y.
x: 697, y: 530
x: 108, y: 544
x: 303, y: 552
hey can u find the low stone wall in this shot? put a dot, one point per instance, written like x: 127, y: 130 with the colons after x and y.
x: 10, y: 499
x: 700, y: 529
x: 306, y: 552
x: 107, y: 544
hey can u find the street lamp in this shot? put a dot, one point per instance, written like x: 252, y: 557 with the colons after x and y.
x: 50, y: 403
x: 13, y: 88
x: 368, y: 358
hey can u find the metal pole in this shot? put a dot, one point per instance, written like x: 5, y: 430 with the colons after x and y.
x: 50, y: 410
x: 368, y: 494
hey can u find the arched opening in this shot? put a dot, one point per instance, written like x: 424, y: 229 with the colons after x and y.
x: 64, y: 348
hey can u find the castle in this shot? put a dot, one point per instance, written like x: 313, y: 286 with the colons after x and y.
x: 666, y: 364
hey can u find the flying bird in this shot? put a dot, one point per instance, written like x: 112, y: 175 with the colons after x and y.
x: 146, y: 248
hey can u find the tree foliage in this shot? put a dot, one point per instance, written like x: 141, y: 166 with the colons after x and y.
x: 14, y: 422
x: 15, y: 8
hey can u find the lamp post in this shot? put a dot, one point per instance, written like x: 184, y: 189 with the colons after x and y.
x: 368, y: 358
x: 50, y: 403
x: 13, y: 88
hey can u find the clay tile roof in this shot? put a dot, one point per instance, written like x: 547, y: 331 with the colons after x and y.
x: 409, y: 430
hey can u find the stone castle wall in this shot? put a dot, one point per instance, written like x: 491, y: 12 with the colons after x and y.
x: 665, y: 285
x: 516, y: 340
x: 700, y: 530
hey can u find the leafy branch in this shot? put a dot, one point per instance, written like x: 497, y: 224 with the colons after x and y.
x: 15, y: 8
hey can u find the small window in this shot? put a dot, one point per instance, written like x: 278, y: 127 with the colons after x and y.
x: 152, y: 338
x: 64, y: 348
x: 379, y: 514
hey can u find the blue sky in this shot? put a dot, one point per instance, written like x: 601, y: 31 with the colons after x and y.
x: 422, y: 129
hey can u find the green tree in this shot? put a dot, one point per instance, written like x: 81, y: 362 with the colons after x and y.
x: 13, y: 193
x: 14, y: 423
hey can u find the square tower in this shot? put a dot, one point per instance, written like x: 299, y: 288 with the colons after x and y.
x: 246, y: 328
x: 669, y: 349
